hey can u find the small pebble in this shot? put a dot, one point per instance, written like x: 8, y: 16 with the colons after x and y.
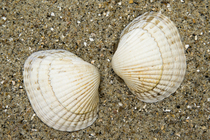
x: 144, y: 106
x: 189, y: 106
x: 130, y: 1
x: 4, y: 18
x: 196, y: 37
x: 187, y: 46
x: 168, y: 5
x: 52, y: 14
x: 107, y: 14
x: 93, y: 34
x: 85, y: 43
x: 167, y: 110
x: 178, y: 134
x: 33, y: 116
x: 120, y: 104
x: 59, y: 8
x: 10, y: 39
x: 101, y: 55
x: 13, y: 83
x: 91, y: 39
x: 93, y: 61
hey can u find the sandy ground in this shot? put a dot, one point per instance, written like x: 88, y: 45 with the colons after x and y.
x: 91, y: 30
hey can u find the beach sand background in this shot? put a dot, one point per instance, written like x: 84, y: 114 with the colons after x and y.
x: 91, y: 30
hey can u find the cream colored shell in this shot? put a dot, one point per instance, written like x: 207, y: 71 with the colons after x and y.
x: 150, y: 57
x: 62, y: 89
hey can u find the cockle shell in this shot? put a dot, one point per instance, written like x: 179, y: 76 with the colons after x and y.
x: 62, y: 89
x: 150, y: 57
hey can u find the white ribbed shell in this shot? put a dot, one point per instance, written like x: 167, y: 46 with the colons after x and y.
x: 62, y: 89
x: 150, y: 57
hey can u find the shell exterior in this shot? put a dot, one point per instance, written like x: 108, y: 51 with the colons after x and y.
x: 62, y: 89
x: 150, y: 57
